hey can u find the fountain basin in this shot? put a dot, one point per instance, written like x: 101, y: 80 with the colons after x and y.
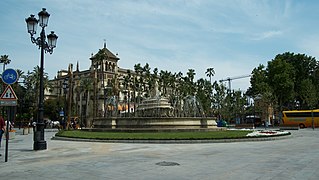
x: 155, y: 122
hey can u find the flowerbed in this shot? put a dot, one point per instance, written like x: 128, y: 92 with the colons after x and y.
x: 258, y: 133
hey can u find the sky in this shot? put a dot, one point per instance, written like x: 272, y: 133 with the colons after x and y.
x: 231, y: 36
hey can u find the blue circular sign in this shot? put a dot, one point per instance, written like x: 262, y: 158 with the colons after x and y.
x: 61, y: 113
x: 9, y: 76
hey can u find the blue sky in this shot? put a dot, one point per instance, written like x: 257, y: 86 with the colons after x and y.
x: 232, y: 36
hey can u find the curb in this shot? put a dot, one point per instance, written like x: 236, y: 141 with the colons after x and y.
x: 195, y: 141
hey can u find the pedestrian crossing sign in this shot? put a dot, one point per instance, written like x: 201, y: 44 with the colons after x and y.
x: 8, y: 94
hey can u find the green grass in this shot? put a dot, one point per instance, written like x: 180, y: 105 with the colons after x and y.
x: 153, y: 135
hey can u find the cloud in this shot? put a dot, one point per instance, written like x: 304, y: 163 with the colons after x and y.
x: 233, y: 36
x: 309, y: 45
x: 267, y: 35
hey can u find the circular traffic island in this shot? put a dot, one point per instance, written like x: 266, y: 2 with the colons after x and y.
x: 222, y: 135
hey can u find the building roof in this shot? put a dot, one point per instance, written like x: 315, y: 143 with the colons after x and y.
x: 104, y: 53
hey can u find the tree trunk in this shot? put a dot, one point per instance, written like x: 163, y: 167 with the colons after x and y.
x: 87, y: 109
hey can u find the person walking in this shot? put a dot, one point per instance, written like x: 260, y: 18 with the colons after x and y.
x: 2, y: 129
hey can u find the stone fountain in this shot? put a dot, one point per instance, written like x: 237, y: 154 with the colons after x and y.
x: 157, y: 114
x: 155, y: 106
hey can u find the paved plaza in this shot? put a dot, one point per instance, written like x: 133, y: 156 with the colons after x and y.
x: 296, y: 157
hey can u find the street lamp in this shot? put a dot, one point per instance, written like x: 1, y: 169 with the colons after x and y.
x: 32, y: 22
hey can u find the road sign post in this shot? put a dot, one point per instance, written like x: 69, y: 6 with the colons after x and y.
x: 9, y: 76
x: 8, y: 98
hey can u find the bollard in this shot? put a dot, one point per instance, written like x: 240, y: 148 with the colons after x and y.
x: 25, y: 131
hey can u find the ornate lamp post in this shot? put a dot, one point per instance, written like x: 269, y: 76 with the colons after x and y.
x: 45, y: 46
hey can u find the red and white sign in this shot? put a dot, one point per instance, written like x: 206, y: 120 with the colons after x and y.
x: 8, y: 94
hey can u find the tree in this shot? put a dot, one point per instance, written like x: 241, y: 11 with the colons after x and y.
x: 308, y: 94
x: 281, y: 78
x: 204, y: 89
x: 147, y: 79
x: 31, y: 85
x: 290, y: 81
x: 30, y: 98
x: 304, y: 68
x: 138, y: 79
x: 24, y: 107
x: 52, y: 107
x: 127, y: 82
x: 4, y: 59
x: 210, y: 72
x: 165, y: 81
x: 238, y: 103
x: 261, y: 92
x: 87, y: 87
x: 191, y: 74
x: 189, y: 87
x: 219, y: 98
x: 258, y: 81
x: 77, y: 95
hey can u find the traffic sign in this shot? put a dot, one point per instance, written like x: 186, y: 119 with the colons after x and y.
x: 8, y: 97
x: 61, y: 113
x: 9, y: 76
x: 8, y: 94
x: 8, y: 102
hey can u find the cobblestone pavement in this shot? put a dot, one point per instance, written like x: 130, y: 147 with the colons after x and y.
x: 290, y: 158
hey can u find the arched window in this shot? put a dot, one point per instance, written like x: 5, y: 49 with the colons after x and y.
x: 113, y: 67
x: 110, y: 66
x: 106, y: 66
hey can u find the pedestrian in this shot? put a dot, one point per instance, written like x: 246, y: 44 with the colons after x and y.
x: 2, y: 129
x: 10, y: 125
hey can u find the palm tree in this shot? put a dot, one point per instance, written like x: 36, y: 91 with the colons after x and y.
x: 4, y: 59
x: 164, y: 81
x: 204, y: 95
x: 20, y: 73
x: 219, y: 98
x: 87, y: 87
x: 35, y: 79
x: 191, y: 74
x: 31, y: 83
x: 115, y: 92
x: 138, y: 70
x: 78, y: 95
x: 190, y: 81
x: 126, y: 84
x: 210, y: 72
x: 28, y: 84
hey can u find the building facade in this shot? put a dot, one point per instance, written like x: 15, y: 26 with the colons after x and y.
x: 99, y: 91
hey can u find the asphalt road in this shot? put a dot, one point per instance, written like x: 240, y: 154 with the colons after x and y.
x: 296, y: 157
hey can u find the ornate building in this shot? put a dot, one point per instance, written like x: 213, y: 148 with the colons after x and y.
x: 99, y: 91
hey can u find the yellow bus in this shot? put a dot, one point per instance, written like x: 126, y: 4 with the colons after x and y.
x: 301, y: 118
